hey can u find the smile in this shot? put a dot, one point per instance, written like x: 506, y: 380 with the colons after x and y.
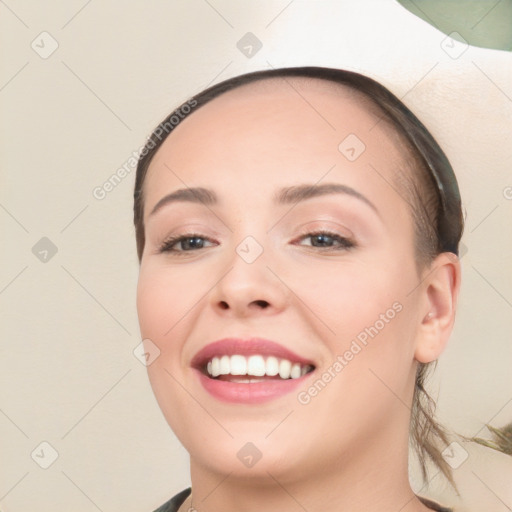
x: 231, y: 367
x: 249, y: 371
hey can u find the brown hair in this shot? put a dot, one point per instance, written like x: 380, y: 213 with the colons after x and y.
x: 430, y: 187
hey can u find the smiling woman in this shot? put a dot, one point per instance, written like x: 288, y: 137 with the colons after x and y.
x: 277, y: 225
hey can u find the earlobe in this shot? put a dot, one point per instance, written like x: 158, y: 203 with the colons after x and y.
x: 440, y: 291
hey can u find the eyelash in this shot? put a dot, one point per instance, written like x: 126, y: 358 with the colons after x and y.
x: 345, y: 243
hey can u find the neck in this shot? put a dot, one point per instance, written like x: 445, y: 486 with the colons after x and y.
x: 370, y: 479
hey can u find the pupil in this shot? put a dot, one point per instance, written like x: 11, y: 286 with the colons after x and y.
x: 196, y: 242
x: 323, y: 238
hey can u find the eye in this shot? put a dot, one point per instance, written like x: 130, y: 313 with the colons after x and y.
x: 187, y: 243
x: 190, y: 242
x: 328, y: 240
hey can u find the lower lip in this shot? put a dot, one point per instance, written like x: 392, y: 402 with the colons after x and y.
x: 250, y: 392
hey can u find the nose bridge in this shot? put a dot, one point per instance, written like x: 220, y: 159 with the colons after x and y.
x: 250, y: 249
x: 250, y: 236
x: 248, y: 262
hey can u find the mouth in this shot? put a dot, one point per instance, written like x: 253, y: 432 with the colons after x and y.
x: 255, y: 368
x: 250, y: 371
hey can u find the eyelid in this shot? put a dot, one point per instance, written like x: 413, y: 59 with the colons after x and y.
x: 323, y: 224
x: 187, y: 229
x: 172, y: 240
x: 345, y: 243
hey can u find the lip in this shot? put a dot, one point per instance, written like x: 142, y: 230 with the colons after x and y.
x: 248, y: 347
x: 253, y: 392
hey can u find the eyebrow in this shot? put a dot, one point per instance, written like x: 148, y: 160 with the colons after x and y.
x: 298, y: 193
x: 286, y: 195
x: 192, y: 195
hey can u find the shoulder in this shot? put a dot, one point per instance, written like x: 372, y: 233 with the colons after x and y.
x: 175, y: 502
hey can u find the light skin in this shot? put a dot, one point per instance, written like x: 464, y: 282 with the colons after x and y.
x: 347, y: 448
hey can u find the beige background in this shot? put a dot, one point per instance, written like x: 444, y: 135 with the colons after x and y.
x: 68, y: 373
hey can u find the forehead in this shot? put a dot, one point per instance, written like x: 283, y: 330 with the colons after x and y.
x: 301, y: 106
x: 277, y: 130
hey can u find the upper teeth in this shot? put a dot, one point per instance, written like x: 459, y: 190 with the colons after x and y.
x: 255, y: 365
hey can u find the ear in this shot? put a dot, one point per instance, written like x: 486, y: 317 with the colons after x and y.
x: 440, y: 291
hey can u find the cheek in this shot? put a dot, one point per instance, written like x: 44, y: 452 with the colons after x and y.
x: 350, y: 296
x: 164, y: 297
x: 368, y: 314
x: 367, y: 381
x: 163, y: 300
x: 166, y: 305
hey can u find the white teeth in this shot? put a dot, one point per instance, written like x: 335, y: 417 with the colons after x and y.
x: 285, y: 368
x: 256, y: 366
x: 238, y: 365
x: 215, y: 367
x: 295, y: 371
x: 272, y: 366
x: 224, y: 365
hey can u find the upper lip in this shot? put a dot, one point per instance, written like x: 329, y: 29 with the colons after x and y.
x: 245, y: 347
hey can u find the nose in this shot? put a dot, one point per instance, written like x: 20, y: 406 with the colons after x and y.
x: 249, y: 288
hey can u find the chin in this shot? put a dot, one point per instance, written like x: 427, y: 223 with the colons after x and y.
x: 246, y: 459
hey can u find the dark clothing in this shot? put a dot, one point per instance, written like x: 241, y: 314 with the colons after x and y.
x: 175, y: 502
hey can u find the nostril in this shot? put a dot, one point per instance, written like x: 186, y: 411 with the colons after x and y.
x: 262, y: 303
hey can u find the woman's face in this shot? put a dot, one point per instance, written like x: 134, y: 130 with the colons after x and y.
x: 253, y: 269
